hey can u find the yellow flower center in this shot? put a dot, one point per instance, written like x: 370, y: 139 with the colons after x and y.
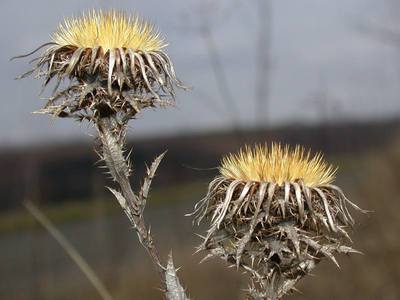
x: 277, y: 164
x: 108, y: 30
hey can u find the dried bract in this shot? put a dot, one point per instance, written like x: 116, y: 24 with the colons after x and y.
x: 113, y: 64
x: 275, y: 213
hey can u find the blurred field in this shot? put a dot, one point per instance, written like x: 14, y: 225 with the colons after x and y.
x: 34, y: 267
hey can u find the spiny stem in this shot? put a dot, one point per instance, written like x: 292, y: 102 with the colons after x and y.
x: 112, y: 143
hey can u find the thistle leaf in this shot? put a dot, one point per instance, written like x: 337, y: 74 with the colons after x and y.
x: 121, y: 199
x: 150, y: 173
x: 175, y: 291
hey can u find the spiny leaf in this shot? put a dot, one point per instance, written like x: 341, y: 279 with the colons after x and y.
x: 150, y: 173
x: 175, y: 291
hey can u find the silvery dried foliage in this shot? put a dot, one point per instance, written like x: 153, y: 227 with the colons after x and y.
x: 276, y: 233
x: 117, y: 81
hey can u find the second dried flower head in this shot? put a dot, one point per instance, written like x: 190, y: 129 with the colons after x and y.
x: 275, y: 213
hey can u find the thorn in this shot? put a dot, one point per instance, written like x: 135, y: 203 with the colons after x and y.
x: 205, y: 258
x: 297, y: 291
x: 200, y: 236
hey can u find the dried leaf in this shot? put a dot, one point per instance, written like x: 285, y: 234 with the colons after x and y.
x: 175, y: 291
x: 150, y: 173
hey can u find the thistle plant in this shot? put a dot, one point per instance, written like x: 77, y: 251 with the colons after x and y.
x: 107, y: 67
x: 275, y: 213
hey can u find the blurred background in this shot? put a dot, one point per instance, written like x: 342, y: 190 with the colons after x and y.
x: 324, y: 74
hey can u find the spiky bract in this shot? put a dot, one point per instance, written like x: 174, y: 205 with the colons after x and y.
x: 113, y: 63
x: 276, y: 230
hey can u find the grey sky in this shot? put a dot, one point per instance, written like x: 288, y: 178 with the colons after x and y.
x: 314, y: 43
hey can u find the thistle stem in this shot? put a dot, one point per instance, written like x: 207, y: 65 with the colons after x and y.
x: 112, y: 142
x: 278, y: 286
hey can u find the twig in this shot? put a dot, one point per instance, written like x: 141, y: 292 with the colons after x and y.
x: 222, y: 82
x: 263, y: 60
x: 69, y: 249
x: 220, y: 76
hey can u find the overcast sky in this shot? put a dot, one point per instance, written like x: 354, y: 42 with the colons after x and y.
x: 317, y: 50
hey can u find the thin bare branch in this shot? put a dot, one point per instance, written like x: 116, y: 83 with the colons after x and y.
x: 69, y: 249
x: 220, y: 77
x: 263, y: 60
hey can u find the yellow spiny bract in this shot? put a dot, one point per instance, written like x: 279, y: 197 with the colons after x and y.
x: 277, y: 164
x: 108, y: 30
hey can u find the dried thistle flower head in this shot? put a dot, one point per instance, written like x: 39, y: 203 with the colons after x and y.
x: 275, y: 213
x: 114, y: 63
